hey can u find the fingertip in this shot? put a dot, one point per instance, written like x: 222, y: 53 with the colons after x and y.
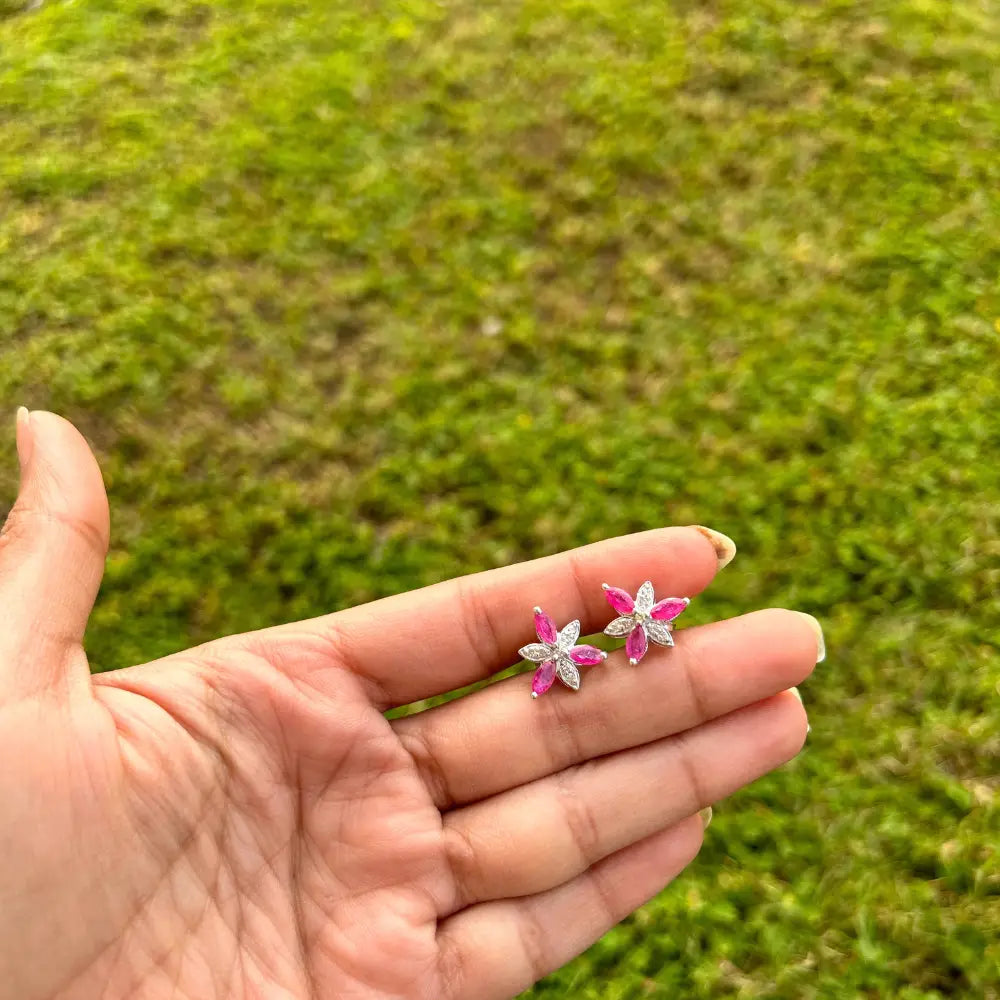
x: 690, y: 834
x: 676, y: 559
x: 65, y: 472
x: 795, y: 732
x: 23, y: 436
x: 817, y: 629
x: 797, y: 636
x: 798, y: 694
x: 722, y: 545
x: 664, y: 854
x: 51, y: 426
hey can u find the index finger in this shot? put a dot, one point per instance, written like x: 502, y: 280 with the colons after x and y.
x: 451, y: 634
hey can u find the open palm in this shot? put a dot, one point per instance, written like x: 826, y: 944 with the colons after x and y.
x: 241, y: 820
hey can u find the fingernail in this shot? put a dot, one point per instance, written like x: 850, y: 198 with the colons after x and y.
x: 798, y: 694
x: 820, y: 641
x: 706, y: 816
x: 24, y: 440
x: 725, y: 547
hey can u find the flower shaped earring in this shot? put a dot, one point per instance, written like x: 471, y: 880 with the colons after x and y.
x: 642, y: 620
x: 557, y: 654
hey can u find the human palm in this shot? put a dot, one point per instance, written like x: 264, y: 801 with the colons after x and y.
x: 241, y: 819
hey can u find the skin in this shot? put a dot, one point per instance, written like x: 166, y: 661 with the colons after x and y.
x: 241, y: 820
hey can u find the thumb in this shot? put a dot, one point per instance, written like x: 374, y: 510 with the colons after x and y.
x: 52, y: 552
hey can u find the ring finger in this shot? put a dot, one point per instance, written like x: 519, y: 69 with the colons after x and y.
x: 546, y: 833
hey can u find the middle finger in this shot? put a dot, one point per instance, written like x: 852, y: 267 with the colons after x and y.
x: 499, y: 738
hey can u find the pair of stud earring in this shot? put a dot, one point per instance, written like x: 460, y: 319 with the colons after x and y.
x: 641, y: 620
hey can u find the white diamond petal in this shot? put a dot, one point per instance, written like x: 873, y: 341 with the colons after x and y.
x: 537, y: 652
x: 568, y: 636
x: 567, y: 672
x: 644, y: 599
x: 620, y: 627
x: 658, y: 632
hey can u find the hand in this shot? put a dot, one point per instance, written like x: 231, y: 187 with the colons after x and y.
x: 241, y: 819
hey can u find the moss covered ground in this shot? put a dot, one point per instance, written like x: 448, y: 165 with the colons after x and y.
x: 352, y: 297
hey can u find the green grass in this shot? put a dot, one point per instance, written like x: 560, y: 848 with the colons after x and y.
x: 353, y: 297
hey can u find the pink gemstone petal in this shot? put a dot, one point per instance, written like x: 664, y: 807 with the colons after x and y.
x: 636, y: 644
x: 543, y: 679
x: 545, y: 627
x: 619, y: 599
x: 586, y: 656
x: 668, y: 610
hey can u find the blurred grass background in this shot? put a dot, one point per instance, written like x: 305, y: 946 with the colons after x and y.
x: 353, y: 297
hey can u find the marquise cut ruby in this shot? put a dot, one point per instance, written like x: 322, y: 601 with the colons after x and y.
x: 544, y: 677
